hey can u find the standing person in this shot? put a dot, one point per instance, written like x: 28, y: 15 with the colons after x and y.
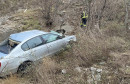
x: 84, y: 17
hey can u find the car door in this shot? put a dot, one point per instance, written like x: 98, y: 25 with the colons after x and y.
x: 54, y: 43
x: 35, y: 48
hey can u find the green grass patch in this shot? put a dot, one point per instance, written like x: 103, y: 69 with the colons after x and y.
x: 31, y: 23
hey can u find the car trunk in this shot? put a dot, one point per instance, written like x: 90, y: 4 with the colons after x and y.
x: 2, y: 55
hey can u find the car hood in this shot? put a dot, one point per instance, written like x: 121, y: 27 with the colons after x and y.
x: 2, y: 55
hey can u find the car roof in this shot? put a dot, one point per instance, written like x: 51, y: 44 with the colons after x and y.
x: 19, y: 37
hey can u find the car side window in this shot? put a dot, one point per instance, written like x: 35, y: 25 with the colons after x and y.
x: 49, y: 37
x: 32, y: 43
x: 25, y: 47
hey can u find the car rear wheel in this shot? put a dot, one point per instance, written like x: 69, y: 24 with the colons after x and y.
x: 25, y: 68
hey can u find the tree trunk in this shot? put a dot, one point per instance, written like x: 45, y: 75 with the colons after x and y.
x: 89, y: 10
x: 126, y: 16
x: 101, y: 14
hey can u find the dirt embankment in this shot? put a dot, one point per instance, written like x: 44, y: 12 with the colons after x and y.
x: 7, y: 27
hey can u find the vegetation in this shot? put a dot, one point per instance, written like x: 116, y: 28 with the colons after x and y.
x: 107, y: 32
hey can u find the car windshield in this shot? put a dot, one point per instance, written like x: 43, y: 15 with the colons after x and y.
x: 8, y: 45
x: 12, y: 43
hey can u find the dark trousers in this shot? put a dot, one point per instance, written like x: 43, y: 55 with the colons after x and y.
x: 84, y: 21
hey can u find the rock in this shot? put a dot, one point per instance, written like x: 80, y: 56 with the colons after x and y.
x: 99, y: 70
x: 63, y: 71
x: 90, y: 81
x: 98, y: 77
x: 78, y: 69
x: 109, y: 77
x: 68, y: 28
x: 102, y: 63
x: 93, y: 70
x: 20, y: 10
x: 86, y: 69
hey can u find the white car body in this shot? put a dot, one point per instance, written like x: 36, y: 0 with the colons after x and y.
x: 10, y: 62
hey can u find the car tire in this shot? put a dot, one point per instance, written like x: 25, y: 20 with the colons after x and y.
x: 25, y: 68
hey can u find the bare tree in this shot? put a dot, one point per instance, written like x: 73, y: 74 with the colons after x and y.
x: 101, y: 13
x: 100, y: 10
x: 89, y: 11
x: 49, y: 9
x: 127, y: 14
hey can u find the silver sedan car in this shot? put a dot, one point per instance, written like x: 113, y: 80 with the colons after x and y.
x: 29, y: 46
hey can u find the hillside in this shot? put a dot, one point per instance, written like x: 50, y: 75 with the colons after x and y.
x: 101, y: 54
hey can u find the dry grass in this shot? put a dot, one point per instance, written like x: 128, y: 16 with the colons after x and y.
x: 52, y: 74
x: 89, y: 49
x: 13, y: 79
x: 95, y: 46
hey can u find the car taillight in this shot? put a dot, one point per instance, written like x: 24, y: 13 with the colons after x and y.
x: 0, y: 64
